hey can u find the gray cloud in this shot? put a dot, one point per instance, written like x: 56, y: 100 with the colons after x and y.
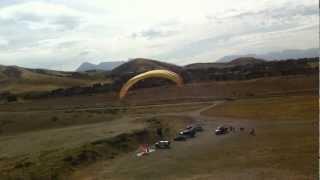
x: 4, y: 3
x: 67, y: 44
x: 152, y: 34
x: 196, y: 47
x: 50, y: 33
x: 64, y: 22
x: 170, y: 22
x: 27, y: 17
x: 286, y: 11
x: 230, y: 40
x: 84, y: 53
x: 67, y: 23
x: 27, y: 29
x: 256, y: 23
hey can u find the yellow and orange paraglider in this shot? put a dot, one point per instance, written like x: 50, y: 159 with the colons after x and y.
x: 149, y: 74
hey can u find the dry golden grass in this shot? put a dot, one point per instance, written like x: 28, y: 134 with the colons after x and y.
x: 33, y: 82
x: 264, y: 87
x: 274, y: 108
x: 284, y: 145
x: 48, y: 137
x: 282, y: 149
x: 261, y: 87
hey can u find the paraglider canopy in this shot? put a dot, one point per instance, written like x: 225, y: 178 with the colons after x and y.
x: 150, y: 74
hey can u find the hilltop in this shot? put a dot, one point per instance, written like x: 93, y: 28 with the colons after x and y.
x: 104, y: 66
x: 246, y: 61
x: 139, y: 65
x: 133, y: 67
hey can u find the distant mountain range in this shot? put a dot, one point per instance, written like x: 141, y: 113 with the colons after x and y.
x: 105, y: 66
x: 26, y: 81
x: 277, y: 55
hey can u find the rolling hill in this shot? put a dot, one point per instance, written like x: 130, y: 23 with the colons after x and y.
x: 135, y: 66
x: 141, y: 65
x: 19, y: 80
x: 236, y: 62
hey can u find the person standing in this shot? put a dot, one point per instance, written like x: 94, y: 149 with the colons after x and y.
x: 159, y: 133
x: 252, y: 132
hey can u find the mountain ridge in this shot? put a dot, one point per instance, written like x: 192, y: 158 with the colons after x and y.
x: 276, y: 55
x: 241, y: 61
x: 105, y: 66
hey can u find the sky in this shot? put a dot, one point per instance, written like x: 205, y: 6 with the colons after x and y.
x: 61, y: 34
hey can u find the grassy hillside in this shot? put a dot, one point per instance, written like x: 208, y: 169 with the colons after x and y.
x: 271, y: 86
x: 236, y: 62
x: 207, y: 91
x: 141, y: 65
x: 271, y: 109
x: 18, y: 80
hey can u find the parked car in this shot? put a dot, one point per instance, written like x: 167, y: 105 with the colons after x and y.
x: 162, y: 144
x: 189, y: 133
x: 196, y: 127
x: 180, y: 137
x: 221, y: 130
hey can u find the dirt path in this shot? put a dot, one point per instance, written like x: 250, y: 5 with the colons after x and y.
x: 101, y: 169
x: 273, y: 154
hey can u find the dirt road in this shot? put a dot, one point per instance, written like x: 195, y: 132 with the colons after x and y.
x: 272, y: 154
x: 180, y: 151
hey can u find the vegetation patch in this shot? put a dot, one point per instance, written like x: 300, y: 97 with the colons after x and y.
x: 56, y: 164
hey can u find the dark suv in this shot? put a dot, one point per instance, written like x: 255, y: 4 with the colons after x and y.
x: 189, y: 133
x: 221, y: 130
x: 196, y: 127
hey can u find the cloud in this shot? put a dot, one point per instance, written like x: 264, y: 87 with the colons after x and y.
x: 67, y: 44
x: 211, y: 49
x: 233, y: 29
x: 67, y: 22
x: 287, y: 11
x: 4, y: 3
x: 152, y: 34
x: 24, y: 25
x: 61, y: 34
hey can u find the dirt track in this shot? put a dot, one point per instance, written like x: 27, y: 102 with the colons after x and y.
x: 236, y: 155
x: 205, y: 139
x: 96, y: 172
x: 282, y: 148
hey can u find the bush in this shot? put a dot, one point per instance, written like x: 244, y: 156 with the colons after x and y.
x: 12, y: 98
x: 54, y: 119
